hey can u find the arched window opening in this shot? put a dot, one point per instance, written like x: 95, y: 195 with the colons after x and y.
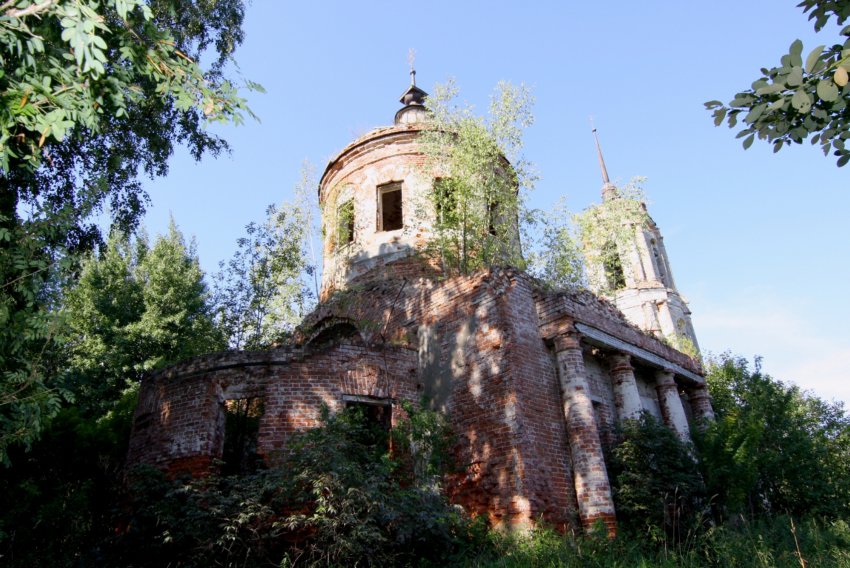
x: 613, y: 267
x: 345, y: 223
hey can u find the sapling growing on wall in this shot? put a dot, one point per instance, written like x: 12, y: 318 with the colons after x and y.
x: 607, y: 232
x: 555, y: 255
x: 478, y: 197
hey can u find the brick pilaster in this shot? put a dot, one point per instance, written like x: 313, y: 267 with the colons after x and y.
x: 593, y: 490
x: 626, y: 394
x: 671, y: 404
x: 701, y: 405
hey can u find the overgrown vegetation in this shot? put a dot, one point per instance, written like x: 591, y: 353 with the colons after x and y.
x: 94, y: 94
x: 479, y: 194
x: 264, y: 290
x: 478, y: 197
x: 347, y: 493
x: 773, y: 449
x: 655, y: 482
x: 607, y: 233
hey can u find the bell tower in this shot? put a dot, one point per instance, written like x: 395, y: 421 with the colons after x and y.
x: 639, y: 280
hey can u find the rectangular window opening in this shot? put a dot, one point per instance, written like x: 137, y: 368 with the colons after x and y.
x: 345, y: 220
x: 241, y: 427
x: 445, y: 199
x: 493, y: 218
x: 390, y: 217
x: 376, y: 418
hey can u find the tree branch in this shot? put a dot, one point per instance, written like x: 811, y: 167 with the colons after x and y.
x: 28, y: 11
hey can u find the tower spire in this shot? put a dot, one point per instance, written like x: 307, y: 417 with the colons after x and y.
x: 413, y: 98
x: 605, y: 179
x: 609, y: 190
x: 411, y: 58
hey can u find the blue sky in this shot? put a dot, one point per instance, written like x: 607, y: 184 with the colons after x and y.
x: 758, y: 241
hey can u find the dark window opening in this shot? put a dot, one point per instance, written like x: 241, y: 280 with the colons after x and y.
x: 446, y: 202
x: 334, y: 333
x: 613, y: 267
x: 492, y: 218
x: 345, y: 223
x: 241, y: 426
x: 375, y: 419
x: 659, y: 263
x: 390, y: 215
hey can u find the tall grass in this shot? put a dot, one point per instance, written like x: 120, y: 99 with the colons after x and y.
x: 778, y: 543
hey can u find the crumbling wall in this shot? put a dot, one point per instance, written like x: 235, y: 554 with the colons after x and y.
x: 178, y: 425
x: 480, y: 348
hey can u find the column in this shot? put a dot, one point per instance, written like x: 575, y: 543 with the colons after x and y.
x: 671, y: 404
x: 593, y: 489
x: 626, y: 394
x: 701, y: 405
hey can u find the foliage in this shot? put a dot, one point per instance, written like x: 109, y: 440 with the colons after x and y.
x: 93, y: 94
x: 478, y: 197
x: 70, y: 68
x: 556, y: 257
x: 262, y: 292
x: 58, y: 500
x: 607, y: 234
x: 780, y: 543
x: 134, y: 308
x: 799, y: 100
x: 773, y: 449
x: 655, y: 481
x: 683, y: 343
x: 30, y: 276
x: 341, y: 497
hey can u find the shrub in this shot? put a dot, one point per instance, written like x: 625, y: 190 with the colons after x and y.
x: 657, y: 488
x: 343, y: 495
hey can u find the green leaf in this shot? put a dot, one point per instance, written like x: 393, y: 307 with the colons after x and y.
x: 795, y: 52
x: 842, y: 161
x: 771, y: 89
x: 754, y: 114
x: 795, y: 77
x: 813, y: 57
x: 749, y: 141
x: 801, y: 101
x: 719, y: 115
x: 827, y: 90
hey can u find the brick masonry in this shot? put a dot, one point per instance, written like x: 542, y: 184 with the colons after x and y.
x: 532, y: 381
x: 475, y: 347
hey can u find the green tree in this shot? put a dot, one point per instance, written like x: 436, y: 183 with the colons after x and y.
x: 773, y: 449
x: 263, y: 291
x: 478, y: 196
x: 135, y: 307
x: 177, y: 321
x: 91, y: 95
x: 100, y: 310
x: 800, y: 99
x: 555, y: 256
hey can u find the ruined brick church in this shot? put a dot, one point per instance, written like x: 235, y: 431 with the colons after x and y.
x: 532, y: 381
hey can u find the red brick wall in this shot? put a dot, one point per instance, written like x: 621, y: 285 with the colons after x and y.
x: 474, y: 344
